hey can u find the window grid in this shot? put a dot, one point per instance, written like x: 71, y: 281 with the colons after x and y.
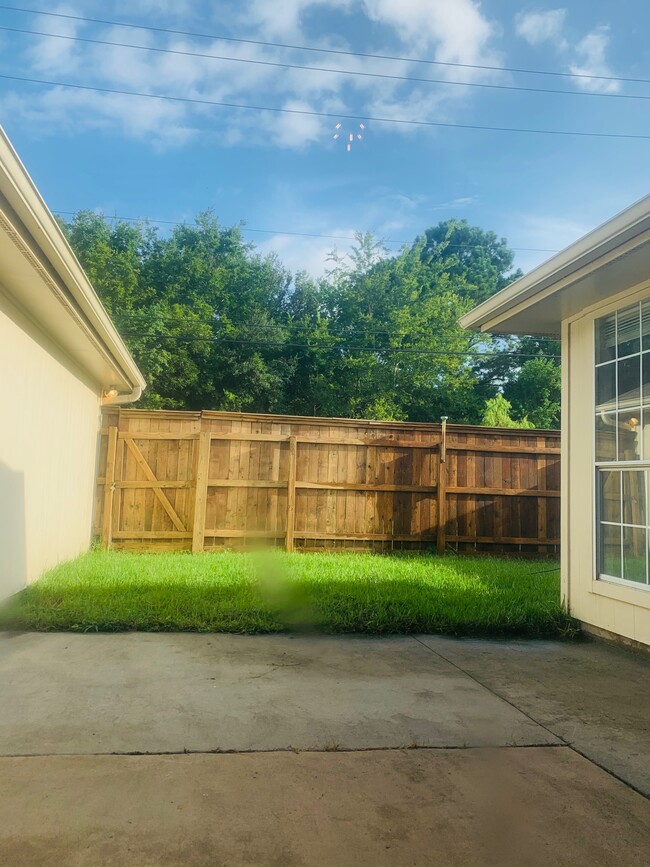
x: 633, y: 564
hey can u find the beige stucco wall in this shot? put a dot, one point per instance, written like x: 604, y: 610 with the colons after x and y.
x: 619, y: 609
x: 49, y: 418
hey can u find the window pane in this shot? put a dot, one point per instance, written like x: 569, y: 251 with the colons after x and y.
x: 645, y: 434
x: 606, y: 338
x: 610, y: 550
x: 606, y: 386
x: 645, y: 324
x: 622, y: 421
x: 606, y: 436
x: 629, y: 435
x: 629, y: 379
x: 634, y: 562
x: 610, y: 496
x: 646, y: 377
x: 634, y: 511
x: 628, y: 330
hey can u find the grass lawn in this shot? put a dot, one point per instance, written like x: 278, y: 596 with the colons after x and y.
x: 274, y: 592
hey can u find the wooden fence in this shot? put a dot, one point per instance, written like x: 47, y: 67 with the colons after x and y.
x: 208, y: 480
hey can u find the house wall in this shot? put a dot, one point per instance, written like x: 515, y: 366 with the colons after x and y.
x: 49, y: 419
x: 619, y: 609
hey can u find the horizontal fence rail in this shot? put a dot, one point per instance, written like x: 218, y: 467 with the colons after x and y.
x: 213, y: 480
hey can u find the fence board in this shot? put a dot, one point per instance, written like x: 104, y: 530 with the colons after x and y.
x: 201, y: 495
x: 291, y: 495
x: 211, y: 480
x: 109, y: 487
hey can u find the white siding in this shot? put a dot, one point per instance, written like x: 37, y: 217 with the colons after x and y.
x: 48, y: 443
x: 618, y: 609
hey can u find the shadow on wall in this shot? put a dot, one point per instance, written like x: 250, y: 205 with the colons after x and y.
x: 13, y: 555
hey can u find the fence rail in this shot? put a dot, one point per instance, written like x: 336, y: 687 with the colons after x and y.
x: 203, y: 481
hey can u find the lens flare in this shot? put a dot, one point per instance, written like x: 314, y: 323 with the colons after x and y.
x: 349, y: 137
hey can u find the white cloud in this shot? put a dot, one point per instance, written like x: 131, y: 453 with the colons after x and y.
x: 297, y: 130
x: 552, y: 231
x: 458, y: 202
x: 306, y: 254
x: 431, y: 27
x: 180, y: 9
x: 390, y: 214
x: 461, y: 202
x: 159, y: 123
x: 48, y: 54
x: 286, y: 22
x: 591, y: 61
x: 538, y: 27
x: 457, y: 32
x: 586, y: 58
x: 543, y: 234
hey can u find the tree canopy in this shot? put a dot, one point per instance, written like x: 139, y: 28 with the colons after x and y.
x: 481, y: 259
x: 215, y: 325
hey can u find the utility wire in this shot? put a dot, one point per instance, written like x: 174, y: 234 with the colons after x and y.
x: 137, y: 317
x: 247, y: 229
x: 328, y: 114
x: 313, y: 48
x: 443, y: 244
x: 338, y: 347
x: 333, y: 70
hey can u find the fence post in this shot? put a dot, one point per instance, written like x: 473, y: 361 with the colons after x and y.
x: 201, y: 493
x: 442, y: 489
x: 291, y: 494
x: 109, y: 487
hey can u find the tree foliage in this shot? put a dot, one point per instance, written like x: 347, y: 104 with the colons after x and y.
x: 535, y: 391
x: 498, y: 414
x: 214, y: 325
x: 481, y: 259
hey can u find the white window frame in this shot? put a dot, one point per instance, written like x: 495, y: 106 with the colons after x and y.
x: 641, y: 465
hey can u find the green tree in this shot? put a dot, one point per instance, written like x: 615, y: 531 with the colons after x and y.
x: 527, y: 370
x: 311, y: 386
x: 483, y: 260
x: 401, y: 351
x: 198, y: 308
x: 535, y: 391
x: 498, y: 414
x: 214, y: 325
x: 113, y: 257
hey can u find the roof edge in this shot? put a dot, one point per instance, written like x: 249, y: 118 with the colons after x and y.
x: 28, y: 204
x: 585, y: 250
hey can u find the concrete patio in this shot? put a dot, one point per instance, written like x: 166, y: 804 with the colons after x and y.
x: 404, y: 750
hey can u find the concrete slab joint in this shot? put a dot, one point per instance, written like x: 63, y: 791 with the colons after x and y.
x: 408, y: 750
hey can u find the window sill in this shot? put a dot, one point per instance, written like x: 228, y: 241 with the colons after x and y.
x: 639, y: 596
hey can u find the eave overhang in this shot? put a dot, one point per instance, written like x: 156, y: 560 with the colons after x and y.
x: 41, y: 275
x: 607, y: 261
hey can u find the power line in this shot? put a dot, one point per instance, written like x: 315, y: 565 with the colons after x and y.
x: 335, y: 71
x: 242, y: 228
x: 336, y: 51
x: 338, y: 348
x: 328, y: 114
x: 305, y: 234
x: 137, y: 317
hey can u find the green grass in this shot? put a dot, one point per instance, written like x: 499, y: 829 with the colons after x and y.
x: 274, y: 592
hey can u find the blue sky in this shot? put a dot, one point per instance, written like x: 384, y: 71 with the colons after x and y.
x: 141, y: 157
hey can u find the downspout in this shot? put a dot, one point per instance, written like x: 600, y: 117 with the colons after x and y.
x: 110, y: 397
